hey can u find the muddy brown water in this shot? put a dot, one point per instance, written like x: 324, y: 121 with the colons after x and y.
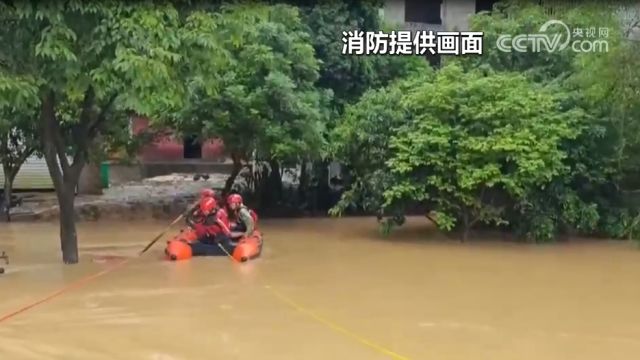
x: 414, y: 295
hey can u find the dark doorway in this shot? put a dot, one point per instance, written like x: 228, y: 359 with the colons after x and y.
x: 192, y: 147
x: 434, y: 60
x: 484, y: 5
x: 422, y: 11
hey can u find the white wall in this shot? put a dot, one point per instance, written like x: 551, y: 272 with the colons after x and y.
x: 456, y: 13
x: 394, y: 11
x: 33, y: 174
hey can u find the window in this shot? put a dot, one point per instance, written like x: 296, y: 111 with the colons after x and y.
x: 422, y: 11
x: 484, y: 5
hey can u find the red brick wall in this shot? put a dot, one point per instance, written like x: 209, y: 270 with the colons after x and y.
x: 168, y: 148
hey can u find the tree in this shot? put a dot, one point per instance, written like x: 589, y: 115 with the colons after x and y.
x: 89, y: 62
x: 361, y: 142
x: 464, y: 145
x: 602, y: 158
x: 608, y: 88
x: 268, y: 103
x: 517, y: 17
x: 17, y: 132
x: 348, y: 77
x: 612, y: 96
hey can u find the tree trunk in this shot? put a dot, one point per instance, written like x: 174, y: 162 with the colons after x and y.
x: 64, y: 177
x: 9, y: 177
x: 303, y: 184
x: 274, y: 182
x: 68, y: 235
x: 466, y: 225
x: 322, y: 173
x: 235, y: 171
x: 90, y: 182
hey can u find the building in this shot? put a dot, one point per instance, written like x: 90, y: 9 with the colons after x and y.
x: 171, y: 153
x: 434, y: 15
x: 174, y: 148
x: 166, y: 154
x: 33, y: 175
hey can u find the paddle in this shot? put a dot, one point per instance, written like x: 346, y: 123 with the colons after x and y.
x: 160, y: 235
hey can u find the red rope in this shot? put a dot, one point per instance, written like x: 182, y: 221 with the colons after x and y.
x: 74, y: 285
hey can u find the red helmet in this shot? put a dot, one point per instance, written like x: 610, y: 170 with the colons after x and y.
x: 207, y: 193
x: 208, y: 205
x: 234, y: 199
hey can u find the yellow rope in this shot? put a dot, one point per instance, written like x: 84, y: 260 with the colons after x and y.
x: 323, y: 320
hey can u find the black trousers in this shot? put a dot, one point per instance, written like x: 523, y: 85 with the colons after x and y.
x: 211, y: 246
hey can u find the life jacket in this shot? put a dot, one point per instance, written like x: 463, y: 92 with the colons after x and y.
x: 253, y: 214
x: 209, y: 224
x: 223, y: 216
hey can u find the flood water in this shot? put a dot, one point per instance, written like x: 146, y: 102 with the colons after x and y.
x: 323, y: 289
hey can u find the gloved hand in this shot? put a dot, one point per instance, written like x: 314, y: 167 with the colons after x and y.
x: 200, y: 229
x: 214, y: 232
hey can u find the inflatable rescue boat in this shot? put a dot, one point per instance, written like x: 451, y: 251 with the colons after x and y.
x: 247, y: 248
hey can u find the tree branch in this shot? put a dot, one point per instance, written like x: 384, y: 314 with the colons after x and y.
x: 21, y: 159
x: 58, y: 143
x: 100, y: 119
x: 86, y: 118
x: 30, y: 150
x: 47, y: 117
x: 4, y: 150
x: 428, y: 216
x: 80, y: 133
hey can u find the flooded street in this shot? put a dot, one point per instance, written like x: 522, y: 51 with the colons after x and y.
x: 323, y: 289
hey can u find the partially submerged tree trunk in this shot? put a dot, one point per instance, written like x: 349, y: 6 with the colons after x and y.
x: 274, y: 187
x: 322, y: 191
x: 9, y: 177
x: 466, y: 226
x: 235, y: 171
x: 64, y: 174
x: 303, y: 184
x: 469, y: 219
x: 13, y: 156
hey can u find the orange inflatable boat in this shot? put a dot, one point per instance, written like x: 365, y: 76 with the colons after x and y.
x: 247, y: 248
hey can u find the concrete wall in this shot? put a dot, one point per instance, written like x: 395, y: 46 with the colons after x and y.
x: 120, y: 174
x: 394, y: 11
x: 187, y: 166
x: 456, y: 13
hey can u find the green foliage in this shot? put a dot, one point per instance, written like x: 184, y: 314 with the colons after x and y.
x: 521, y: 17
x: 126, y: 54
x: 268, y: 101
x: 473, y: 137
x: 544, y: 213
x: 361, y: 141
x: 18, y: 130
x: 91, y: 65
x: 622, y: 224
x: 539, y: 143
x: 18, y: 141
x: 350, y: 76
x: 609, y: 86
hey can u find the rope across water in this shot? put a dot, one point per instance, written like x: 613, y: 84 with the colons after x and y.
x: 278, y: 295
